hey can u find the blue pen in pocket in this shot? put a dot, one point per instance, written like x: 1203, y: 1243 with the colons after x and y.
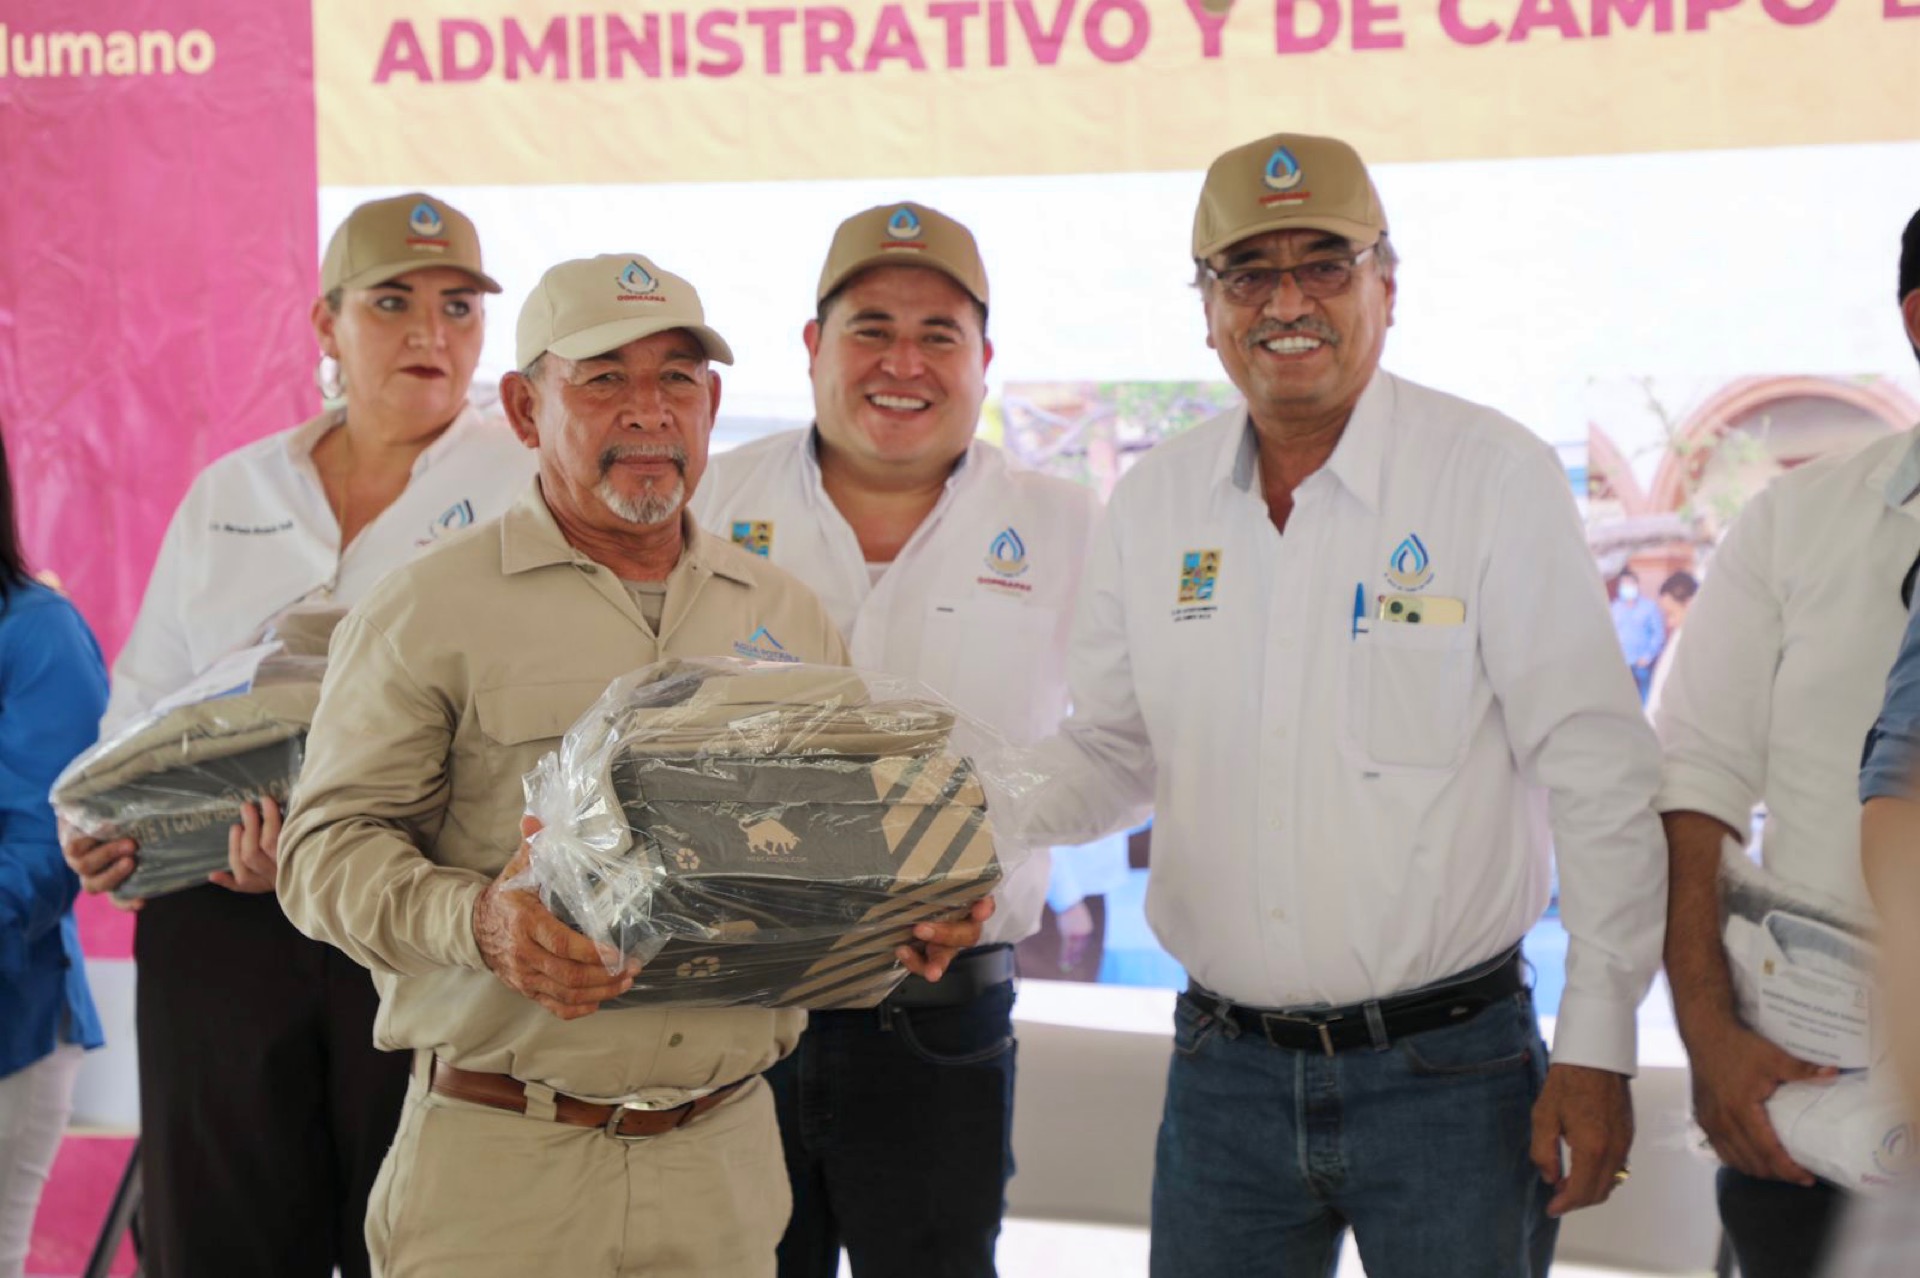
x: 1359, y: 607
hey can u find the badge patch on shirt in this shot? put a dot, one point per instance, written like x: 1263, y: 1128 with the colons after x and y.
x: 1007, y: 559
x: 754, y: 536
x: 1199, y: 573
x: 1409, y: 567
x: 762, y: 646
x: 1199, y: 578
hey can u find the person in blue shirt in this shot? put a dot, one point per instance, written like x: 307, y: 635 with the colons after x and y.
x: 1642, y: 629
x: 53, y: 688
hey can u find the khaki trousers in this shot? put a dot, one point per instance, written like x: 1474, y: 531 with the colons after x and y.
x: 477, y: 1192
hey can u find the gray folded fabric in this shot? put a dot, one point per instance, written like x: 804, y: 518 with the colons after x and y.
x: 780, y: 833
x: 174, y: 781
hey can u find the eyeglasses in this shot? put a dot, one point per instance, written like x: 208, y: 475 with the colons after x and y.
x: 1320, y: 279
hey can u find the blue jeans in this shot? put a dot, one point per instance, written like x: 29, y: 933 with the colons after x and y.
x: 1267, y: 1155
x: 898, y: 1129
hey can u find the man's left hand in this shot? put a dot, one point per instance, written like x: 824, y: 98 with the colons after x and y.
x: 935, y: 944
x: 1592, y: 1111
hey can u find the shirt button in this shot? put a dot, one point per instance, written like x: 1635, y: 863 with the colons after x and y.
x: 675, y: 1040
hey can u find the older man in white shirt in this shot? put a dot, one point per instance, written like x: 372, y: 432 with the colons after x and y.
x: 939, y: 560
x: 1350, y: 640
x: 1771, y: 699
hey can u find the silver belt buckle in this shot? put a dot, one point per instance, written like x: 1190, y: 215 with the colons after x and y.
x: 643, y: 1104
x: 1326, y: 1038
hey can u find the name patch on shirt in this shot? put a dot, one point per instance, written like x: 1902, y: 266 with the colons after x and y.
x: 1199, y: 579
x: 1007, y: 559
x: 251, y: 530
x: 754, y: 536
x: 762, y: 646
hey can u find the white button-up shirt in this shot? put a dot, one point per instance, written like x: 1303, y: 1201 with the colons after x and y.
x: 1348, y: 808
x: 977, y: 604
x: 255, y: 534
x: 1783, y: 661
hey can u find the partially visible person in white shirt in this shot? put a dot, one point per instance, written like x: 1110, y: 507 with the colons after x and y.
x: 942, y: 561
x: 1771, y: 699
x: 265, y: 1110
x: 1349, y: 640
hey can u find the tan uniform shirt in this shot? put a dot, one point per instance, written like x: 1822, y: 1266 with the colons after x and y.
x: 444, y: 687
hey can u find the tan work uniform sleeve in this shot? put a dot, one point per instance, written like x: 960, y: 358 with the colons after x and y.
x: 371, y: 796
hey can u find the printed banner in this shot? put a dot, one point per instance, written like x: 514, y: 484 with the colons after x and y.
x: 157, y: 227
x: 542, y: 91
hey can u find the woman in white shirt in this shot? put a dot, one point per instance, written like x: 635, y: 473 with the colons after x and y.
x: 265, y: 1109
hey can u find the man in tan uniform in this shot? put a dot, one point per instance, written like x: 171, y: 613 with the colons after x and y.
x: 538, y: 1137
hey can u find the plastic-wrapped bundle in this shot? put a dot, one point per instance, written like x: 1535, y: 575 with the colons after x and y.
x: 1802, y: 968
x: 767, y: 834
x: 174, y: 780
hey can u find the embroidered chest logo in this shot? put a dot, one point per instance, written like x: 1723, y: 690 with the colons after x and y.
x: 1199, y: 574
x: 1409, y: 567
x: 1007, y: 562
x: 1199, y: 579
x: 762, y: 646
x: 754, y: 535
x: 454, y: 518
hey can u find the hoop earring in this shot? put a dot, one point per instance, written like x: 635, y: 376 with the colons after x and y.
x: 331, y: 380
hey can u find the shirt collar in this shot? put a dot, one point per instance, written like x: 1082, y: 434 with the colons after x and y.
x: 530, y: 538
x: 1897, y: 477
x: 1357, y: 460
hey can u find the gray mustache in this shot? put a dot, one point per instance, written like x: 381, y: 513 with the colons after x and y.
x: 1313, y: 326
x: 618, y: 453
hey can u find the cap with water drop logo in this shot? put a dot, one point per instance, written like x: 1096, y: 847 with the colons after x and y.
x: 384, y: 239
x: 904, y: 234
x: 1287, y: 182
x: 593, y: 305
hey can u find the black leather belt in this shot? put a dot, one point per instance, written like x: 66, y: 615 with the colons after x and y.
x: 1374, y: 1024
x: 972, y: 973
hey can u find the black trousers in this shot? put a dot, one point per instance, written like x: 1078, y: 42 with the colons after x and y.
x: 1778, y: 1230
x: 264, y: 1109
x: 898, y: 1126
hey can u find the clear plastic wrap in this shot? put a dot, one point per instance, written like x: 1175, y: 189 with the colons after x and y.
x: 1802, y: 969
x: 174, y: 780
x: 767, y: 833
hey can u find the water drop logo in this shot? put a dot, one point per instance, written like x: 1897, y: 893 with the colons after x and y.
x: 425, y: 220
x: 1409, y: 566
x: 903, y: 225
x: 1895, y: 1155
x: 637, y: 279
x: 1283, y: 171
x: 1007, y: 555
x: 453, y: 518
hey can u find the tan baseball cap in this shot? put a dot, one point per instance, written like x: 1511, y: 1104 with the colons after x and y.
x: 593, y: 305
x: 384, y: 239
x: 1285, y: 182
x: 904, y: 234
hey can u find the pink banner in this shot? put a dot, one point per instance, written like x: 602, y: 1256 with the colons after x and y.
x: 157, y: 261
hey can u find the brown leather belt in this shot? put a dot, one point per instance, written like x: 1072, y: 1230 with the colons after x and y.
x: 629, y: 1120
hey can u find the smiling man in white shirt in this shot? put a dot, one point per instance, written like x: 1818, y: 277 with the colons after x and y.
x: 1349, y: 639
x: 1771, y: 699
x: 941, y: 561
